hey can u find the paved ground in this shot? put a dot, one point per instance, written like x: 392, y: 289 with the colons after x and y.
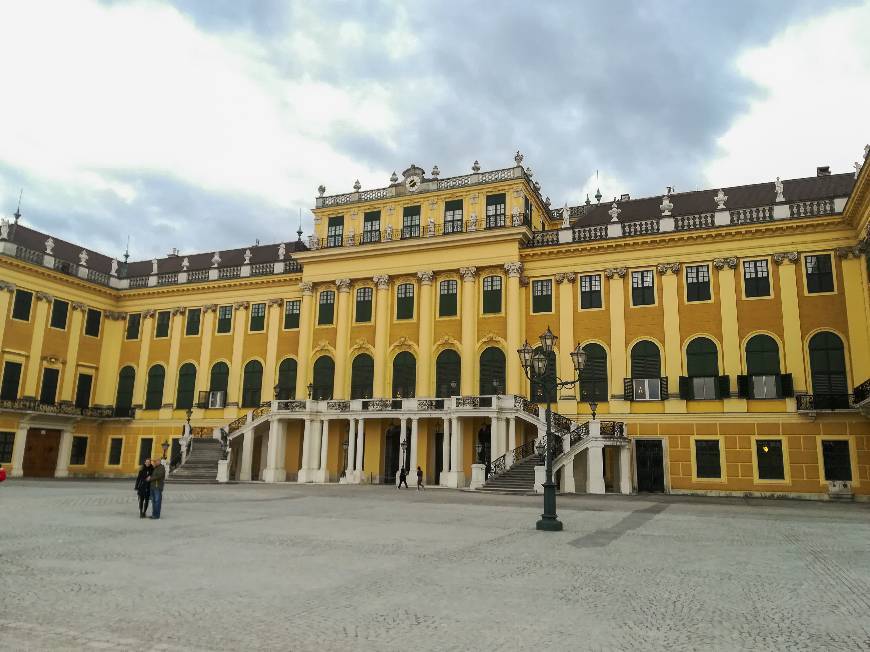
x: 251, y: 567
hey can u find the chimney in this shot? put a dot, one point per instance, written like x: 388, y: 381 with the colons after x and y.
x: 823, y: 171
x: 173, y: 253
x: 624, y: 197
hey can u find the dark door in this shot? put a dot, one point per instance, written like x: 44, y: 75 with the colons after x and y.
x: 439, y: 458
x: 391, y: 454
x: 83, y: 390
x: 48, y: 392
x: 40, y: 453
x: 838, y: 465
x: 650, y: 465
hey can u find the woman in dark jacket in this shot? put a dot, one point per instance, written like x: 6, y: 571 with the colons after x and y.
x: 142, y: 487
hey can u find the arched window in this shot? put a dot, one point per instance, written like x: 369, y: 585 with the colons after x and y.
x: 186, y: 386
x: 762, y: 355
x: 362, y: 376
x: 702, y: 367
x: 324, y: 377
x: 544, y: 388
x: 404, y: 375
x: 124, y: 396
x: 828, y: 371
x: 154, y: 388
x: 646, y: 383
x: 492, y: 374
x: 219, y: 378
x: 763, y: 379
x: 448, y: 368
x: 593, y: 379
x: 252, y: 384
x: 287, y: 379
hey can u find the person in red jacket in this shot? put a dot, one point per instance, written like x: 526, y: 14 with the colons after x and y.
x: 2, y: 473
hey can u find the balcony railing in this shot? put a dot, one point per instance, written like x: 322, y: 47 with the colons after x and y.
x: 862, y: 392
x: 823, y: 402
x: 66, y: 409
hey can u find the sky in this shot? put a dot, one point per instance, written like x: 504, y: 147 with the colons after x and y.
x: 209, y: 124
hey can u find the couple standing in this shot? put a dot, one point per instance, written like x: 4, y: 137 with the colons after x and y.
x: 149, y: 485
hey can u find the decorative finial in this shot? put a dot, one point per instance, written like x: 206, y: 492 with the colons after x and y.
x: 720, y: 199
x: 321, y: 189
x: 49, y: 246
x: 779, y: 195
x: 858, y: 166
x: 17, y: 215
x: 518, y: 158
x: 127, y: 250
x: 435, y: 171
x: 113, y: 270
x: 529, y: 172
x: 588, y: 201
x: 475, y: 167
x: 566, y: 216
x: 153, y: 265
x: 357, y: 185
x: 185, y: 264
x: 614, y: 211
x: 247, y: 256
x: 667, y: 205
x: 547, y: 201
x: 216, y: 259
x: 598, y: 195
x: 83, y: 258
x: 394, y: 178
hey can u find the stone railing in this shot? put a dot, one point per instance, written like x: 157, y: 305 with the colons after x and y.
x: 62, y: 409
x: 229, y: 272
x: 522, y: 403
x: 589, y: 233
x: 167, y: 279
x: 752, y: 215
x: 693, y: 222
x: 641, y: 227
x: 811, y: 208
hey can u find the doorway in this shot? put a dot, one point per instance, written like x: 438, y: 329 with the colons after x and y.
x: 392, y: 439
x: 434, y: 475
x: 40, y: 453
x: 649, y: 460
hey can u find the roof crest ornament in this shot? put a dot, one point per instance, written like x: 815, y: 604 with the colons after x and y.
x: 216, y: 259
x: 394, y: 178
x: 667, y: 204
x: 321, y: 189
x: 113, y: 271
x: 185, y: 264
x: 247, y: 256
x: 356, y: 186
x: 153, y: 265
x: 49, y: 246
x: 566, y: 216
x: 779, y: 196
x: 614, y: 211
x: 518, y: 158
x: 720, y: 199
x: 83, y: 258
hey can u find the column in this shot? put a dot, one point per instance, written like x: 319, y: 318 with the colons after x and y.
x: 595, y: 469
x: 7, y: 289
x: 495, y: 438
x: 240, y: 328
x: 625, y: 470
x: 31, y: 378
x: 616, y: 311
x: 568, y: 484
x: 305, y: 466
x: 273, y: 327
x: 855, y: 293
x: 72, y: 351
x: 110, y: 355
x: 63, y: 453
x: 512, y: 433
x: 275, y: 471
x: 791, y: 318
x: 445, y: 453
x: 172, y: 365
x: 469, y: 329
x: 360, y: 447
x: 730, y: 335
x: 145, y: 334
x: 247, y: 455
x: 565, y: 280
x: 306, y: 334
x: 382, y: 332
x: 322, y: 474
x: 456, y: 477
x: 426, y: 338
x: 350, y: 470
x: 342, y: 338
x: 203, y: 374
x: 673, y: 342
x: 414, y: 431
x: 515, y: 319
x: 18, y: 446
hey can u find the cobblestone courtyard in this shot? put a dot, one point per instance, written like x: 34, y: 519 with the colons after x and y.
x: 344, y: 568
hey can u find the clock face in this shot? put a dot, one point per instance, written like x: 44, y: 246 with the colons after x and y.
x: 412, y: 183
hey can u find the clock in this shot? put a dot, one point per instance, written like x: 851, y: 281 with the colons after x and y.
x: 413, y: 182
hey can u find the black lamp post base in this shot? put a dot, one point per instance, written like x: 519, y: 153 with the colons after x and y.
x: 549, y: 524
x: 549, y: 521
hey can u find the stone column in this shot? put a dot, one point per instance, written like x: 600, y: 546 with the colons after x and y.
x: 618, y: 368
x: 34, y: 360
x: 425, y: 316
x: 304, y: 474
x: 273, y: 328
x: 72, y: 352
x: 18, y: 446
x: 625, y: 470
x: 306, y: 334
x: 568, y: 484
x: 515, y: 321
x: 322, y: 471
x: 63, y: 453
x: 512, y: 433
x: 414, y: 433
x: 360, y: 447
x: 445, y: 453
x: 857, y: 311
x: 240, y: 328
x: 110, y: 356
x: 565, y: 280
x: 350, y: 470
x: 247, y: 456
x: 456, y: 477
x: 6, y: 291
x: 595, y: 469
x: 730, y: 335
x: 275, y: 470
x: 146, y: 332
x: 342, y: 338
x: 668, y: 273
x: 791, y: 319
x: 382, y: 333
x: 469, y: 329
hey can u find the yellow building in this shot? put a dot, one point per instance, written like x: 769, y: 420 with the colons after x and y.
x: 725, y: 332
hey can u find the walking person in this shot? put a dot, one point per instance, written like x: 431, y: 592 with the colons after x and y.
x: 403, y: 478
x: 420, y: 486
x: 158, y: 475
x: 2, y: 473
x: 142, y: 486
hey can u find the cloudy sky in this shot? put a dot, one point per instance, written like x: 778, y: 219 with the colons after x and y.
x: 208, y: 124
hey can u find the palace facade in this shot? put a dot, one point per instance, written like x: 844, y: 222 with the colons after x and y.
x: 726, y: 334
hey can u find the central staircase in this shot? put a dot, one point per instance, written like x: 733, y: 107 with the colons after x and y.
x: 201, y: 465
x: 519, y: 478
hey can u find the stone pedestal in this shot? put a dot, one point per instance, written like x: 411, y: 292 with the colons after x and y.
x: 540, y: 478
x: 274, y: 475
x: 478, y: 476
x: 319, y: 475
x: 453, y: 479
x: 595, y: 470
x: 223, y: 471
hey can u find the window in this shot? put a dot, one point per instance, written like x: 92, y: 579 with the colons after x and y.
x: 21, y: 305
x: 92, y: 322
x: 134, y: 320
x: 405, y: 301
x: 116, y: 445
x: 453, y: 216
x: 492, y: 371
x: 542, y: 296
x: 544, y: 387
x: 193, y: 318
x: 411, y: 222
x: 59, y: 312
x: 404, y: 375
x: 362, y: 374
x: 161, y: 328
x: 291, y: 313
x: 252, y: 384
x: 828, y: 371
x: 78, y: 451
x: 707, y: 458
x: 495, y: 210
x: 756, y: 278
x: 11, y: 379
x: 448, y: 368
x: 48, y: 389
x: 83, y: 391
x: 154, y: 388
x: 528, y: 212
x: 702, y: 366
x: 124, y: 395
x: 145, y: 446
x: 326, y: 299
x: 642, y: 288
x: 225, y: 319
x: 492, y: 295
x: 364, y: 304
x: 219, y: 378
x: 593, y: 379
x: 371, y: 226
x: 447, y: 291
x: 258, y: 317
x: 590, y: 291
x: 697, y: 283
x: 335, y: 231
x: 7, y: 443
x: 763, y: 379
x: 186, y: 386
x: 645, y: 383
x: 286, y: 379
x: 323, y: 377
x: 838, y: 464
x: 769, y: 455
x: 820, y: 277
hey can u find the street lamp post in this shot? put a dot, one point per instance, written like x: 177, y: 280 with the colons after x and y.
x: 310, y: 390
x: 535, y: 365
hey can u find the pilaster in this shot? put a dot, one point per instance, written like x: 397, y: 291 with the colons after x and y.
x: 514, y: 316
x: 730, y: 334
x: 673, y: 344
x: 18, y: 446
x: 72, y: 352
x: 856, y: 295
x: 6, y: 291
x: 382, y: 333
x: 110, y: 358
x: 63, y: 453
x: 273, y: 327
x: 240, y: 327
x: 565, y: 281
x: 469, y: 329
x: 426, y: 338
x: 791, y: 318
x: 342, y: 338
x: 34, y: 360
x: 306, y: 334
x: 618, y: 368
x: 177, y: 316
x: 203, y: 374
x: 146, y: 332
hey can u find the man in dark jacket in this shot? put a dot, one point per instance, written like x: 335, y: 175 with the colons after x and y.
x: 142, y: 486
x: 158, y: 475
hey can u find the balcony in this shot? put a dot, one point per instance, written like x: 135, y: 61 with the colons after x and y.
x: 812, y: 403
x: 66, y: 409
